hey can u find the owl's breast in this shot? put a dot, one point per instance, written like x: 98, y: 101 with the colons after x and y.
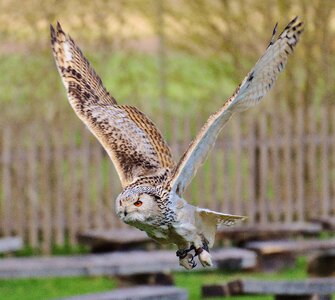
x: 159, y: 233
x: 162, y: 234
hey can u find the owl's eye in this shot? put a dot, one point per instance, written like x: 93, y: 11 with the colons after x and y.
x: 138, y: 203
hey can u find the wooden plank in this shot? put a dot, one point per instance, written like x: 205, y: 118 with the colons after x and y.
x: 303, y: 297
x: 233, y: 259
x: 285, y: 246
x: 325, y: 163
x: 6, y: 181
x: 263, y: 145
x: 126, y: 239
x: 108, y: 196
x: 269, y: 231
x: 20, y: 166
x: 276, y: 209
x: 327, y: 223
x: 287, y: 124
x: 17, y: 192
x: 252, y: 201
x: 213, y: 180
x: 9, y: 244
x: 299, y: 169
x: 114, y: 239
x: 85, y: 181
x: 137, y: 293
x: 236, y: 150
x: 73, y: 203
x: 84, y: 219
x: 322, y: 264
x: 219, y: 193
x: 210, y: 181
x: 33, y: 194
x: 97, y: 180
x: 313, y: 208
x: 160, y: 278
x: 46, y: 216
x: 318, y: 286
x: 113, y: 264
x: 228, y: 165
x: 58, y: 205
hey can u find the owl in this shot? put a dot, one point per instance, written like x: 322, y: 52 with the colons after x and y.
x: 153, y: 184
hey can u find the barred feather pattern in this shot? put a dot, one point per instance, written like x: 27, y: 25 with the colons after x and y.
x: 153, y: 185
x: 133, y: 142
x: 252, y: 89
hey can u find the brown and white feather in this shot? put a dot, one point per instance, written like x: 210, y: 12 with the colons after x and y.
x: 252, y: 89
x: 132, y: 141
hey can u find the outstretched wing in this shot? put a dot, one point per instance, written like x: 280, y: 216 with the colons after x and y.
x: 218, y: 218
x: 255, y: 85
x: 132, y: 141
x: 210, y: 220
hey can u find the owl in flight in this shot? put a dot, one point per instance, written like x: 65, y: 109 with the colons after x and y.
x: 153, y: 184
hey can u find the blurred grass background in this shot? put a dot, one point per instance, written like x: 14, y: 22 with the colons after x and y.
x: 186, y: 56
x: 48, y: 288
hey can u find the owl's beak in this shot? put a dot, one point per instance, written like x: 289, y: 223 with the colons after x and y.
x: 125, y: 212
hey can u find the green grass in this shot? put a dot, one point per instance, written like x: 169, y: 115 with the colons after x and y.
x: 66, y: 249
x: 48, y: 288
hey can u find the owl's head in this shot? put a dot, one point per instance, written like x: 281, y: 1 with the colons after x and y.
x: 137, y: 204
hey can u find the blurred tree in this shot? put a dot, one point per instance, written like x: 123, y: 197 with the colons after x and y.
x: 236, y: 29
x: 225, y: 36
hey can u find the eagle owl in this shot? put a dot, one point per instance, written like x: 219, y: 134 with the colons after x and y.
x: 153, y: 184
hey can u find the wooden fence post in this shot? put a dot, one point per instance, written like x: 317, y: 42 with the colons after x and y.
x: 33, y: 192
x: 6, y: 181
x: 287, y: 162
x: 299, y: 172
x: 45, y: 202
x: 58, y: 205
x: 325, y: 161
x: 259, y: 167
x: 85, y: 181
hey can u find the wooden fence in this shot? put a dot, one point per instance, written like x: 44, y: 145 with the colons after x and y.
x: 272, y: 167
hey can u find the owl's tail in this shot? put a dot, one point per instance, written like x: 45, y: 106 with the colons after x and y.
x: 209, y: 221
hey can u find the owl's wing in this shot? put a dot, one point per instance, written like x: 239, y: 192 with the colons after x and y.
x: 252, y: 89
x: 210, y: 220
x: 132, y: 141
x: 218, y: 218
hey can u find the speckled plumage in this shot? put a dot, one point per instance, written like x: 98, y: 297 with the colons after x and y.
x: 133, y: 142
x: 153, y: 184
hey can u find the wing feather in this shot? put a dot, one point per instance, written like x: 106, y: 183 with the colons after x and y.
x: 210, y: 220
x: 252, y: 89
x: 132, y: 141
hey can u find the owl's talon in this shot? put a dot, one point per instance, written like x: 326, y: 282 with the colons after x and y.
x: 205, y: 258
x: 182, y: 253
x: 187, y: 262
x: 192, y: 262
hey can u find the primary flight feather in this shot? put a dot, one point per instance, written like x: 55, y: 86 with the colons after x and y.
x: 152, y: 183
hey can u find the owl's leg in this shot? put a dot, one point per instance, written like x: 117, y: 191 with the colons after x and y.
x: 186, y: 259
x: 202, y: 251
